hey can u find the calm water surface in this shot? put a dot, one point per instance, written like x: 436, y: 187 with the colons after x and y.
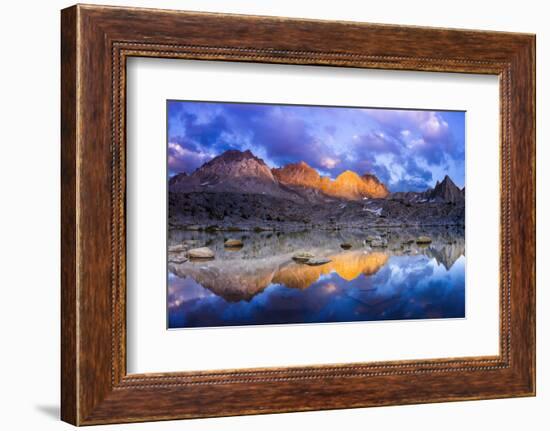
x: 261, y: 284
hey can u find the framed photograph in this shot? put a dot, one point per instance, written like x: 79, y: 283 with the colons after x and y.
x: 264, y: 215
x: 299, y: 236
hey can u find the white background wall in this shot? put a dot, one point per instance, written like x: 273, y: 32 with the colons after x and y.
x: 29, y: 215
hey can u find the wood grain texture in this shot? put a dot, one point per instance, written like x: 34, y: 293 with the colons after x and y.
x: 96, y: 41
x: 69, y: 397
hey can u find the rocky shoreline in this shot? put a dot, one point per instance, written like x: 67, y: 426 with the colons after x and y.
x: 227, y: 212
x: 297, y: 259
x: 220, y: 244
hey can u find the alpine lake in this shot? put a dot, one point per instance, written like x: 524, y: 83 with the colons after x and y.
x: 256, y: 277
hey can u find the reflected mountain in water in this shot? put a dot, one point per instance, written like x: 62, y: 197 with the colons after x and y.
x: 245, y: 280
x: 245, y: 286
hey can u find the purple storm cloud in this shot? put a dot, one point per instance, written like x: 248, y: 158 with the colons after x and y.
x: 406, y: 149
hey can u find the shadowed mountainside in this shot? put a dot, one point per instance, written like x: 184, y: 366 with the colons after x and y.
x: 243, y: 172
x: 445, y: 191
x: 238, y: 190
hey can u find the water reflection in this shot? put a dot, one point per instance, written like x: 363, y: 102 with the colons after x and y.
x: 261, y: 284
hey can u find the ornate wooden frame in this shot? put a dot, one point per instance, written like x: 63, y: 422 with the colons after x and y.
x: 95, y: 43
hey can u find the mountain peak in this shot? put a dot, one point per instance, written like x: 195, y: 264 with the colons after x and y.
x: 378, y: 187
x: 348, y: 173
x: 371, y: 177
x: 234, y: 164
x: 347, y: 185
x: 242, y: 170
x: 298, y: 174
x: 236, y: 155
x: 177, y: 178
x: 297, y: 166
x: 446, y: 191
x: 447, y: 182
x: 350, y: 185
x: 348, y: 179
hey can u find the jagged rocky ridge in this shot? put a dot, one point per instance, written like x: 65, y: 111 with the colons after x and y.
x: 237, y: 190
x: 444, y: 192
x: 348, y: 185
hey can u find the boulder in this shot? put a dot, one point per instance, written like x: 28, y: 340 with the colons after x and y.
x: 233, y: 243
x: 200, y: 253
x: 177, y: 258
x: 183, y: 246
x: 303, y: 257
x: 423, y: 240
x: 178, y: 248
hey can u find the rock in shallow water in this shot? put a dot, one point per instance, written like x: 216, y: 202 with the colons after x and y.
x: 200, y: 253
x: 423, y: 240
x: 317, y: 261
x: 177, y: 257
x: 303, y: 257
x: 178, y: 248
x: 183, y: 246
x: 233, y: 243
x: 379, y: 243
x: 345, y: 245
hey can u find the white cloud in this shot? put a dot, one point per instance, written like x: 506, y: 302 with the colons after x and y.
x: 182, y: 159
x: 176, y: 148
x: 329, y: 163
x: 180, y: 152
x: 434, y: 126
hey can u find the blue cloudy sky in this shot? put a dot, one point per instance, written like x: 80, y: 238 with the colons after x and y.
x: 406, y: 149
